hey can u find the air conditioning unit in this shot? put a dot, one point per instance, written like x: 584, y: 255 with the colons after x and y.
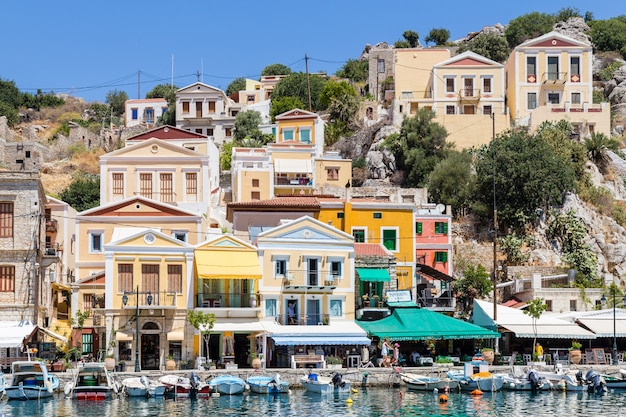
x: 290, y: 277
x: 53, y: 276
x: 331, y: 277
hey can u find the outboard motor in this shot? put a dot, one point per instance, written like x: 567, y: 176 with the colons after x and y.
x: 596, y: 382
x: 145, y: 381
x: 533, y: 377
x: 337, y: 382
x: 579, y: 377
x: 194, y: 381
x: 275, y: 382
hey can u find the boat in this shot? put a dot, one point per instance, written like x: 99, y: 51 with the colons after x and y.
x: 531, y: 381
x: 264, y: 384
x: 143, y: 387
x: 484, y: 381
x: 182, y: 387
x: 92, y: 381
x: 566, y: 380
x: 227, y: 385
x: 29, y: 381
x: 416, y: 382
x: 323, y: 385
x: 613, y: 382
x: 3, y: 383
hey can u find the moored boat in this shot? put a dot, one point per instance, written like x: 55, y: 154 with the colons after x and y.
x: 323, y: 385
x: 264, y: 384
x: 417, y: 382
x: 92, y: 381
x: 616, y: 382
x: 143, y: 387
x: 483, y: 381
x: 517, y: 381
x: 30, y: 381
x: 177, y: 386
x: 227, y: 385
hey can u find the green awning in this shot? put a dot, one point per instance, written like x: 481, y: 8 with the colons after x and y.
x: 373, y: 274
x: 423, y: 324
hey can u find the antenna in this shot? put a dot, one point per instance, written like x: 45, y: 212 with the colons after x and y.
x: 198, y: 75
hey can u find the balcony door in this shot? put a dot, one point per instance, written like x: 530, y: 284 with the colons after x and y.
x: 313, y: 272
x: 313, y: 312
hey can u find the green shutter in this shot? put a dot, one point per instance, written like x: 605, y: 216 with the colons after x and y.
x: 389, y: 239
x: 418, y: 227
x: 445, y: 228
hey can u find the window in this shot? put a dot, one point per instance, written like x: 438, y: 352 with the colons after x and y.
x: 167, y: 193
x: 281, y: 268
x: 531, y: 101
x: 6, y: 219
x: 548, y: 305
x: 390, y: 239
x: 575, y: 98
x: 287, y: 134
x: 441, y: 227
x: 468, y: 87
x: 573, y: 305
x: 180, y: 235
x: 531, y: 68
x: 340, y: 215
x: 250, y: 98
x: 185, y: 107
x: 449, y: 85
x: 553, y: 68
x: 134, y: 113
x: 441, y: 256
x: 335, y: 269
x: 255, y: 182
x: 381, y: 65
x: 255, y: 195
x: 486, y: 85
x: 305, y: 135
x: 211, y: 106
x: 118, y: 183
x: 7, y: 278
x: 228, y: 132
x: 175, y: 278
x: 124, y: 277
x: 332, y: 174
x: 199, y: 131
x: 149, y: 282
x: 554, y: 98
x: 378, y: 215
x: 487, y: 110
x: 450, y: 110
x: 191, y: 180
x: 591, y: 127
x: 145, y: 185
x: 574, y: 68
x: 96, y: 241
x: 336, y: 308
x: 149, y: 115
x: 418, y: 228
x: 198, y: 109
x: 270, y: 307
x: 359, y: 235
x: 87, y: 345
x: 163, y: 110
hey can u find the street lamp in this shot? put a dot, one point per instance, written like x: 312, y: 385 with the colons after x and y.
x: 603, y: 302
x: 125, y: 301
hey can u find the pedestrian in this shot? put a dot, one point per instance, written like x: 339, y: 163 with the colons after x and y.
x: 396, y: 354
x: 539, y: 352
x: 385, y: 352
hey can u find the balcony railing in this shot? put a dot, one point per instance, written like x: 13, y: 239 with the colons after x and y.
x: 303, y: 319
x: 300, y: 278
x: 158, y: 299
x: 469, y: 93
x: 553, y: 77
x: 227, y: 300
x: 293, y: 181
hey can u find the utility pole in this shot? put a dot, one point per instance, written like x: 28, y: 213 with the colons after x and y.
x: 138, y: 84
x: 308, y: 80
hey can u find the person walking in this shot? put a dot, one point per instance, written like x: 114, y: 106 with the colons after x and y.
x: 396, y: 354
x: 385, y: 353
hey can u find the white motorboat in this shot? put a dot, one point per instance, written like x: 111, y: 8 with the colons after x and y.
x: 181, y: 387
x: 531, y: 381
x: 483, y: 381
x: 324, y: 385
x: 143, y: 387
x: 92, y: 381
x: 264, y: 384
x: 29, y: 380
x: 416, y: 382
x: 227, y: 385
x: 613, y: 382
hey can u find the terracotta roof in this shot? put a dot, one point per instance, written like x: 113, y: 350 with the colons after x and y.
x: 370, y: 249
x: 291, y: 201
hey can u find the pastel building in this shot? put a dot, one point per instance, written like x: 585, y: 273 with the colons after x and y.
x: 144, y: 111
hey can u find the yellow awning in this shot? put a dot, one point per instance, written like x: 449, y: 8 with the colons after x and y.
x: 227, y: 264
x: 59, y: 286
x: 123, y: 337
x: 176, y: 335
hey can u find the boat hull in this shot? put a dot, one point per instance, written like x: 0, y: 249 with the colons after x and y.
x: 27, y: 393
x: 227, y: 385
x: 29, y: 381
x: 420, y: 383
x: 267, y: 385
x: 176, y: 386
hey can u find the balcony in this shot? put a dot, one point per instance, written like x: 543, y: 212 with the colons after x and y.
x: 299, y: 280
x: 469, y: 94
x: 303, y: 319
x: 161, y: 300
x: 299, y: 181
x: 553, y: 79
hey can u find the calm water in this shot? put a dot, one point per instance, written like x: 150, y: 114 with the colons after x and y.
x: 370, y: 402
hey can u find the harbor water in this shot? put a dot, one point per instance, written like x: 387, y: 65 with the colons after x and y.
x: 363, y: 402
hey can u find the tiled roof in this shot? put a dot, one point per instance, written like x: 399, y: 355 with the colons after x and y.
x: 369, y: 249
x: 291, y: 201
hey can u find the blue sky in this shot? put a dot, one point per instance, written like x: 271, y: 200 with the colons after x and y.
x: 91, y: 47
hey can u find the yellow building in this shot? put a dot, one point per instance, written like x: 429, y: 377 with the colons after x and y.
x: 550, y: 78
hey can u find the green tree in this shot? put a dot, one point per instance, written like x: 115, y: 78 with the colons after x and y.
x: 202, y: 322
x: 297, y: 85
x: 236, y: 85
x: 355, y: 70
x: 566, y: 13
x: 284, y: 104
x: 528, y: 26
x: 39, y: 100
x: 411, y: 40
x: 341, y: 101
x: 419, y: 147
x: 10, y: 112
x: 598, y: 144
x: 226, y: 155
x: 489, y: 45
x: 168, y: 92
x: 276, y: 69
x: 475, y: 283
x: 534, y: 309
x: 609, y: 35
x: 438, y: 36
x: 83, y: 192
x: 117, y: 100
x: 528, y: 176
x: 558, y: 136
x: 9, y: 94
x: 453, y: 182
x: 247, y: 125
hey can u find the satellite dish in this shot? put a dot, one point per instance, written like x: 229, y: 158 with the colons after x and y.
x: 440, y: 208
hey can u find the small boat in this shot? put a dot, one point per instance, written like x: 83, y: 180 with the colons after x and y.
x: 92, y: 382
x: 566, y: 380
x: 323, y: 385
x: 227, y: 385
x: 613, y: 382
x: 517, y: 381
x: 264, y: 384
x: 29, y: 381
x: 483, y: 381
x: 182, y: 387
x: 417, y: 382
x: 143, y: 387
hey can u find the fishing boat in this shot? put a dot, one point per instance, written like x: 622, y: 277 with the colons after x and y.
x: 323, y: 385
x: 264, y: 384
x: 531, y: 381
x: 29, y: 381
x: 484, y: 381
x: 143, y: 387
x: 227, y: 385
x: 92, y: 381
x: 417, y: 382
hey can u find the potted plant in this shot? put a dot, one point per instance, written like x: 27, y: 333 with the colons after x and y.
x: 488, y: 355
x: 575, y: 354
x: 170, y: 363
x: 58, y: 365
x: 256, y: 361
x: 374, y: 300
x: 109, y: 362
x: 443, y: 361
x: 333, y: 362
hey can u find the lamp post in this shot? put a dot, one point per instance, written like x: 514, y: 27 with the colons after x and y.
x: 125, y: 301
x: 603, y: 302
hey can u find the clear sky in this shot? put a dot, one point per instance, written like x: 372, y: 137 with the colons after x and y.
x: 88, y: 48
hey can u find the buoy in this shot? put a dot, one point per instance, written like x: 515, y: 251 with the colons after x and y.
x: 354, y: 390
x: 349, y: 401
x: 476, y: 392
x: 446, y: 389
x: 443, y: 398
x: 435, y: 390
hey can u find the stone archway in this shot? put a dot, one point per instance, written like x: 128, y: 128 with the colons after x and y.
x: 150, y: 346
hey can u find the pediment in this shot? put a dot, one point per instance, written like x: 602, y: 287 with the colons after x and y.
x: 554, y: 40
x: 226, y: 242
x: 296, y: 114
x: 153, y: 148
x: 137, y: 207
x: 200, y: 88
x: 306, y: 229
x: 165, y: 133
x: 148, y: 237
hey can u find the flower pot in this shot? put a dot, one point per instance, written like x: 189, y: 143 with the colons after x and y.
x: 488, y: 356
x: 575, y: 356
x: 256, y: 363
x: 109, y: 363
x: 170, y: 365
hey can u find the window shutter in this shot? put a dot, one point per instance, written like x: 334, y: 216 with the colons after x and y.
x: 418, y: 228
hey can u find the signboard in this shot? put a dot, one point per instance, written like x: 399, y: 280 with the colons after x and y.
x: 398, y: 296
